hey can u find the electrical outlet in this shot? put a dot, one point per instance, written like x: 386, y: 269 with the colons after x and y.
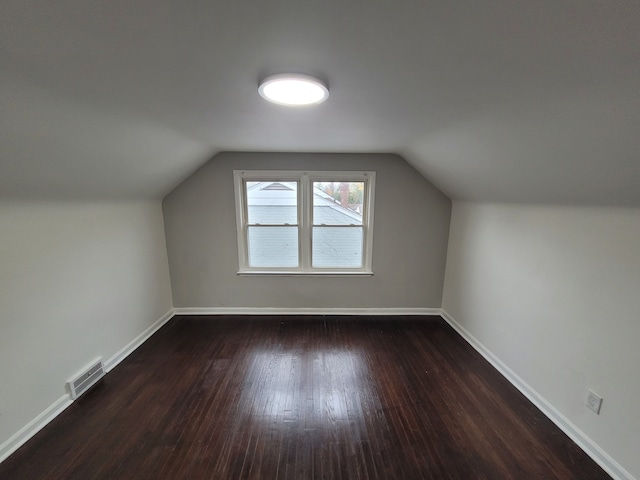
x: 594, y: 401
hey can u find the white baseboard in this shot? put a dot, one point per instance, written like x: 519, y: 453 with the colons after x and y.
x: 572, y: 431
x: 39, y: 422
x: 304, y: 311
x: 136, y: 342
x: 601, y: 457
x: 34, y: 426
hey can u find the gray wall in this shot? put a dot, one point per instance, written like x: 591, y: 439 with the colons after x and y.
x: 553, y: 293
x: 79, y: 280
x: 411, y: 231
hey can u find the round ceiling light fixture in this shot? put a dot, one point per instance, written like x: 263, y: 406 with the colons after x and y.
x: 294, y: 90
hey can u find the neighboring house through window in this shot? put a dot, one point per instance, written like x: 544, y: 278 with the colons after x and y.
x: 304, y: 222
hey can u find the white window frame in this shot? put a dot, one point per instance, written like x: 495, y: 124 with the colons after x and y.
x: 305, y: 181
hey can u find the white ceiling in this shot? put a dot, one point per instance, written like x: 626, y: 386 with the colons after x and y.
x: 533, y: 101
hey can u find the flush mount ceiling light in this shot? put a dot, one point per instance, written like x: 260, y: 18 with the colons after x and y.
x: 293, y: 89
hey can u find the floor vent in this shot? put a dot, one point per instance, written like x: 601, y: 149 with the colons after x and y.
x: 86, y: 379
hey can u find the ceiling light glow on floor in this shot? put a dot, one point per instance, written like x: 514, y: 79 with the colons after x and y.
x: 293, y: 90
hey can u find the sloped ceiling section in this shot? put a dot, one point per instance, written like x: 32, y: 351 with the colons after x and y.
x: 496, y: 101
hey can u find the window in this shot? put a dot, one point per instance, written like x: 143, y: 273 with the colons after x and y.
x: 304, y: 222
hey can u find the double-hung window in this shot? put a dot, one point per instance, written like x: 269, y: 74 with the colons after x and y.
x: 304, y: 222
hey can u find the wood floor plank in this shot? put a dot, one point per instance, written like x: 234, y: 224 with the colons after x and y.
x: 302, y: 398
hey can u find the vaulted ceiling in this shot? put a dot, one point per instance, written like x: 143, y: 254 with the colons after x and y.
x: 535, y: 101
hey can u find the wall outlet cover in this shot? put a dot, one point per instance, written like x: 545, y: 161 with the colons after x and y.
x: 594, y: 401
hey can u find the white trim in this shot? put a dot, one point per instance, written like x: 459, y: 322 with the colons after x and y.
x: 327, y: 273
x: 23, y: 435
x: 305, y: 311
x: 34, y: 426
x: 572, y: 431
x: 601, y: 457
x: 136, y: 342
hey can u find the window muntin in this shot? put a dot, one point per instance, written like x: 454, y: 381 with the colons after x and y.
x: 304, y: 222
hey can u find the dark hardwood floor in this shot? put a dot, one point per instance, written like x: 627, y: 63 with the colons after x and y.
x: 302, y: 398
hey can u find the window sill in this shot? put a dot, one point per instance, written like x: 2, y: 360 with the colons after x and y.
x: 328, y: 273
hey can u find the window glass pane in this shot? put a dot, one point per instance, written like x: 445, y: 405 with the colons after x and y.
x: 339, y: 247
x: 338, y: 203
x: 272, y: 202
x: 273, y: 246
